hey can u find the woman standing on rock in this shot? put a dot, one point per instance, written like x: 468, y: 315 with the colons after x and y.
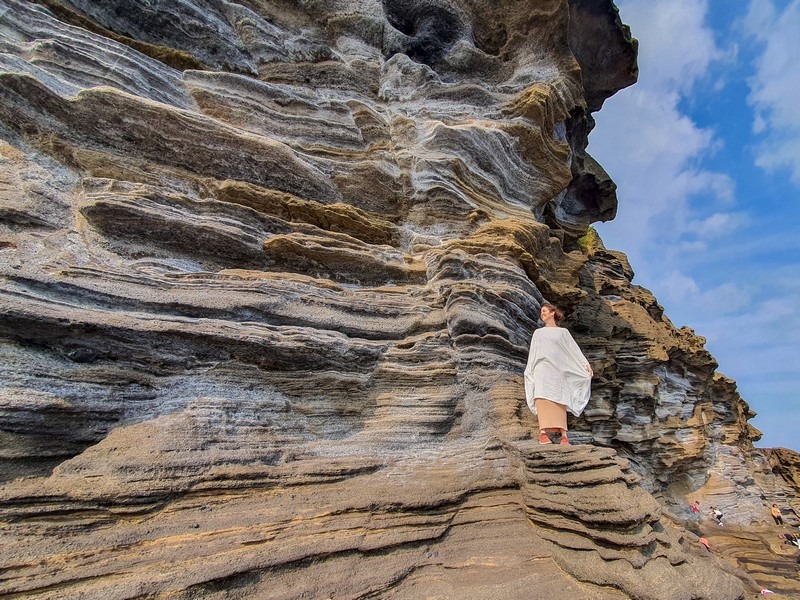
x: 557, y: 378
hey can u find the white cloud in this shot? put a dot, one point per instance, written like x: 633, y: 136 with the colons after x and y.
x: 648, y: 146
x: 754, y: 330
x: 760, y: 14
x: 681, y: 285
x: 693, y: 247
x: 702, y: 303
x: 717, y: 225
x: 651, y: 148
x: 783, y: 153
x: 774, y: 87
x: 673, y: 41
x: 723, y: 265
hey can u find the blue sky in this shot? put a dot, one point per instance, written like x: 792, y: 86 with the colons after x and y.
x: 705, y: 150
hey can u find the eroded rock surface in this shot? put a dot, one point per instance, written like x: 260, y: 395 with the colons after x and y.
x: 269, y: 274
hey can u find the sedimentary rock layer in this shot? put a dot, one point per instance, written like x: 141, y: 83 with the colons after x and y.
x: 460, y: 519
x: 269, y: 273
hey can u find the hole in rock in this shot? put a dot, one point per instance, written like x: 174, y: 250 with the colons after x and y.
x: 431, y: 28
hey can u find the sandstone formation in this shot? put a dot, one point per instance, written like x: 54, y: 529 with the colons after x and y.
x: 269, y: 273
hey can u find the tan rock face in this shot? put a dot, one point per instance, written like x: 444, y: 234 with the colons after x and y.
x: 269, y: 274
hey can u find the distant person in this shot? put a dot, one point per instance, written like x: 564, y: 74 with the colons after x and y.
x: 717, y: 514
x: 695, y: 507
x: 557, y: 377
x: 704, y: 543
x: 790, y: 539
x: 776, y: 514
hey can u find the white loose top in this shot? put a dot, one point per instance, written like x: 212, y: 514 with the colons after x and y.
x: 556, y: 370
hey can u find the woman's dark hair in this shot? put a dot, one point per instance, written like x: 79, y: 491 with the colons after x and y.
x: 558, y: 314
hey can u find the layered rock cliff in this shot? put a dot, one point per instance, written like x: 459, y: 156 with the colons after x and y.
x: 269, y: 274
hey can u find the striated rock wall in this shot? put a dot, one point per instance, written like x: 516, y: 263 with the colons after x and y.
x: 269, y: 273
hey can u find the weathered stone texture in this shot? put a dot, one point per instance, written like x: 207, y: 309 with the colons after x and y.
x: 269, y: 273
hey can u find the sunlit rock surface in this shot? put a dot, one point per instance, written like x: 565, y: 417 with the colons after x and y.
x: 269, y: 274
